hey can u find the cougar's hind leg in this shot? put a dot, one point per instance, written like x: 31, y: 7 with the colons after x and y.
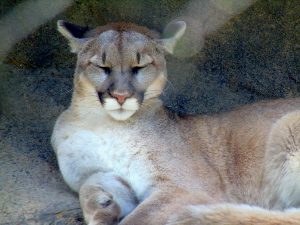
x: 282, y: 161
x: 105, y: 198
x: 233, y: 214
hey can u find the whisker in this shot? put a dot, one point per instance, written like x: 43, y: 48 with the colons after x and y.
x: 153, y: 91
x: 149, y: 103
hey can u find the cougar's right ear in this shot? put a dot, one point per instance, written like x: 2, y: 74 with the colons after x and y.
x: 173, y: 32
x: 73, y: 33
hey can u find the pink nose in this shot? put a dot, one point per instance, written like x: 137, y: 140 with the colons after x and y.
x: 121, y: 97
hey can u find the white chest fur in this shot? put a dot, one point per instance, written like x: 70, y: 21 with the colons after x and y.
x: 114, y: 149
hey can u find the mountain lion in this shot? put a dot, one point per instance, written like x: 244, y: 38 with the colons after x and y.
x: 133, y: 162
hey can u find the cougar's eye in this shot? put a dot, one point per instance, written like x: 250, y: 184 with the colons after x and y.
x: 106, y: 69
x: 136, y: 69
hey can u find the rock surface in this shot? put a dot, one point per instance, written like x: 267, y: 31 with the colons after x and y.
x: 255, y: 55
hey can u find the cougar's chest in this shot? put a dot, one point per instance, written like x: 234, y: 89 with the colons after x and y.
x: 122, y: 151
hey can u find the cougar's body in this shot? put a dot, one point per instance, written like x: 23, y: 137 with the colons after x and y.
x: 132, y: 161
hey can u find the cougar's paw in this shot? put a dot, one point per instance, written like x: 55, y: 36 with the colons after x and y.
x: 98, y: 206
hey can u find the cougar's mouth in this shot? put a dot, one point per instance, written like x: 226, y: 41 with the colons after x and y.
x: 120, y: 111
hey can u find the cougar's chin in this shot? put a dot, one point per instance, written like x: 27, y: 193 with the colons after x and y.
x: 121, y: 115
x: 121, y: 112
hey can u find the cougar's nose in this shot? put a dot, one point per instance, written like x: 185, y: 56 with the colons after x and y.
x: 120, y: 96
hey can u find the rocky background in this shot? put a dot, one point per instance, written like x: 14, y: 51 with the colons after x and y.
x: 254, y: 55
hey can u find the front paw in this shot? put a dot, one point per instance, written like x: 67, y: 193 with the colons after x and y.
x: 98, y: 206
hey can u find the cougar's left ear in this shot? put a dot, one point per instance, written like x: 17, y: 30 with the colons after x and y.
x: 73, y: 33
x: 172, y: 33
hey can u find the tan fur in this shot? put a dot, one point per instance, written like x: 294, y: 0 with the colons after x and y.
x: 122, y: 27
x: 240, y: 167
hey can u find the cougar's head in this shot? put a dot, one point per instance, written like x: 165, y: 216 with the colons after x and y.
x: 122, y: 64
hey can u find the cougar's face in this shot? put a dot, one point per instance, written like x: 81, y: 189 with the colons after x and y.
x: 122, y: 63
x: 125, y: 68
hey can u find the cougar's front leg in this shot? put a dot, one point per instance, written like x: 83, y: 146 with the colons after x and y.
x: 105, y: 198
x: 149, y: 211
x: 159, y: 206
x: 98, y: 206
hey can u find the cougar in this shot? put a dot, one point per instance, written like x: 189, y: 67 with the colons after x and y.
x: 134, y: 162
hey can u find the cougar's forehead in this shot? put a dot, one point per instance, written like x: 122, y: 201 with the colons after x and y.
x: 122, y: 47
x: 122, y: 37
